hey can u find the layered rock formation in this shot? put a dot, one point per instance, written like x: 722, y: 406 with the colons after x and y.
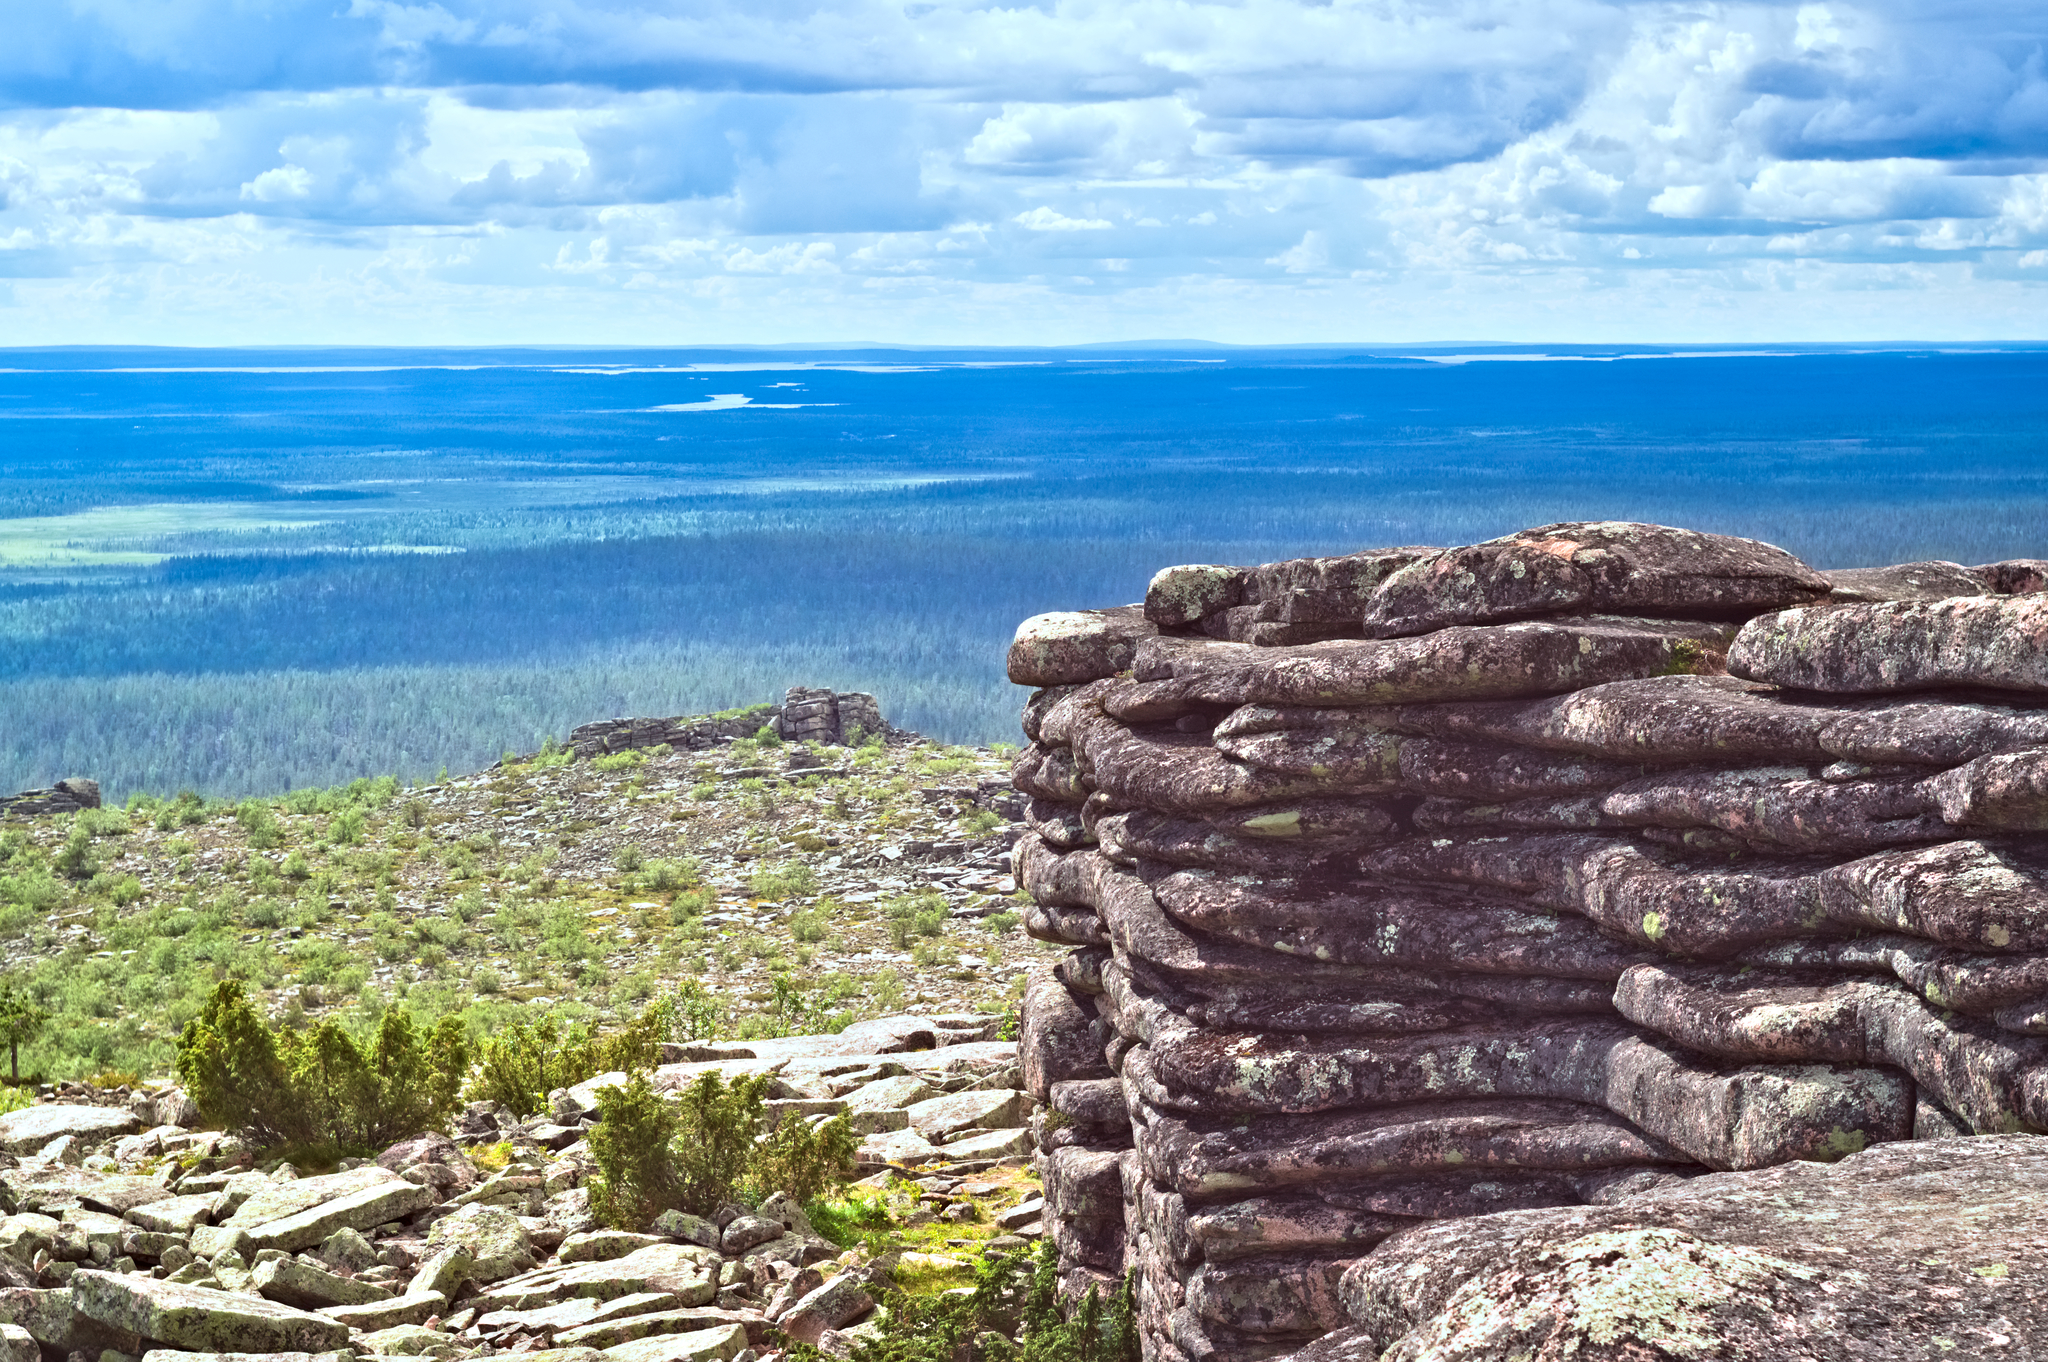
x: 1416, y: 884
x: 806, y: 714
x: 66, y: 796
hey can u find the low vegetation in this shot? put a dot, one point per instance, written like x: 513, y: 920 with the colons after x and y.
x: 1010, y: 1313
x: 317, y: 1088
x: 540, y: 903
x: 704, y: 1149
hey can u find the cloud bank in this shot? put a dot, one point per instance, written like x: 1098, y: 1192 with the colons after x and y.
x: 1265, y: 170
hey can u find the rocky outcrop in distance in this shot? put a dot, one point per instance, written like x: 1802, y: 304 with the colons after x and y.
x: 66, y: 796
x: 806, y: 714
x: 1416, y: 885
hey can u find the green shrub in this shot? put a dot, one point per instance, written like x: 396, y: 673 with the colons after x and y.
x: 971, y: 1326
x: 767, y: 736
x: 21, y: 1021
x: 699, y: 1151
x: 259, y: 822
x: 808, y: 928
x: 668, y: 876
x: 105, y: 821
x: 618, y: 761
x: 784, y: 880
x: 802, y: 1159
x: 1000, y: 923
x: 346, y: 827
x: 525, y: 1061
x: 629, y: 858
x: 319, y: 1088
x: 696, y: 1013
x: 77, y: 859
x: 856, y: 1217
x: 634, y: 1148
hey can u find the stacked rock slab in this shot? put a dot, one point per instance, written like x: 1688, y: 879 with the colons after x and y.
x: 807, y: 714
x: 1417, y: 883
x: 66, y: 796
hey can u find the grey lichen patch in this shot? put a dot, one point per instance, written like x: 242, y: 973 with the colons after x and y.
x: 1182, y: 595
x: 1641, y: 1294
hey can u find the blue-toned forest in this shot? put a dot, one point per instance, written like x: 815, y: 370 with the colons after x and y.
x: 242, y: 572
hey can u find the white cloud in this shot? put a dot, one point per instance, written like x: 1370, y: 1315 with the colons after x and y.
x: 1306, y: 256
x: 1044, y: 219
x: 810, y: 160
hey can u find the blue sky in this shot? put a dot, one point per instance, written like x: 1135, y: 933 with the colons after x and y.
x: 633, y: 171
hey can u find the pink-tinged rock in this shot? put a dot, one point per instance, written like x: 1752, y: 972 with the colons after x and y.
x: 1325, y: 590
x: 1975, y: 1070
x: 1420, y: 926
x: 1785, y: 807
x: 1286, y: 1224
x: 1742, y: 1119
x: 1180, y: 596
x: 1930, y: 581
x: 1050, y: 773
x: 1059, y: 824
x: 2016, y: 576
x: 1068, y: 646
x: 1491, y: 662
x: 1999, y: 642
x: 1208, y: 1158
x: 1860, y: 1259
x: 1980, y: 895
x: 1608, y: 567
x: 2008, y: 791
x: 1275, y: 1296
x: 1060, y: 1037
x: 1198, y: 842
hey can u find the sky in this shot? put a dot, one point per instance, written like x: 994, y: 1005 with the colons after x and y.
x: 1260, y: 171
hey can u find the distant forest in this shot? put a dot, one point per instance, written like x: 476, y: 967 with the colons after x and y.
x: 595, y: 557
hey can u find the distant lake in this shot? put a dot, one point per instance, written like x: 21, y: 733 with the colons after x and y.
x: 244, y: 571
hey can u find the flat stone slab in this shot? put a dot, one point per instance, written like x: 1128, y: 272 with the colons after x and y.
x: 576, y: 1312
x: 609, y: 1333
x: 1066, y: 646
x: 305, y: 1287
x: 1581, y: 567
x: 391, y: 1199
x: 602, y: 1246
x: 414, y: 1308
x: 994, y: 1144
x: 174, y: 1215
x: 177, y: 1355
x: 266, y: 1201
x: 1999, y: 642
x: 54, y: 1188
x: 684, y: 1271
x: 702, y: 1345
x: 941, y: 1116
x: 1917, y: 1250
x: 199, y: 1318
x: 27, y: 1130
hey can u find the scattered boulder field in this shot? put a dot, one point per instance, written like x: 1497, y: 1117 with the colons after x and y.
x: 1486, y: 953
x: 130, y: 1235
